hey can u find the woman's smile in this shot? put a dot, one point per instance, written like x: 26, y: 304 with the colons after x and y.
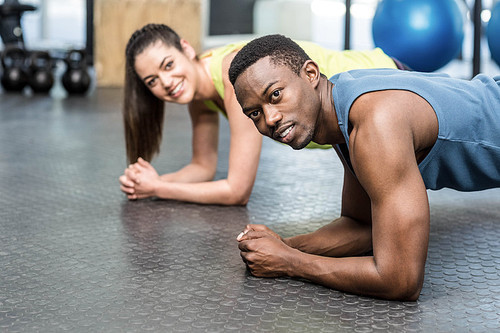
x: 177, y: 90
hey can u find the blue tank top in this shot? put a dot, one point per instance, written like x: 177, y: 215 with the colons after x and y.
x: 466, y: 155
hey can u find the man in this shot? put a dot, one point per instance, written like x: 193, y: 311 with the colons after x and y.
x: 397, y: 133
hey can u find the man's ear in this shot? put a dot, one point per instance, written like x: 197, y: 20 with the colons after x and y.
x: 188, y: 49
x: 312, y: 72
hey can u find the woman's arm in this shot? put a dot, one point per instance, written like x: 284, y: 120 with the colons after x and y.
x: 205, y: 125
x: 244, y: 155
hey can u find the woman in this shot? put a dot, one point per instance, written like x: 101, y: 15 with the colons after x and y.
x: 162, y: 67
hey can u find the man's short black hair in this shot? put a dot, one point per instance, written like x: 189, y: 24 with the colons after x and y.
x: 281, y: 50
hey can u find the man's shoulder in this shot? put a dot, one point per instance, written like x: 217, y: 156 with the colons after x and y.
x: 358, y: 74
x: 382, y: 109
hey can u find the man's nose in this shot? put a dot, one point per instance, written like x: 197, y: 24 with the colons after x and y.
x: 273, y: 116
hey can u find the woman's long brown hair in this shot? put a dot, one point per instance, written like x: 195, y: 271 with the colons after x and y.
x: 143, y: 113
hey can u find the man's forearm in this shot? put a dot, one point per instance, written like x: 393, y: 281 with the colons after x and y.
x: 358, y: 275
x: 342, y: 237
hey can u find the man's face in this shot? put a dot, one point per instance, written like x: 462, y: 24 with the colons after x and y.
x: 282, y: 105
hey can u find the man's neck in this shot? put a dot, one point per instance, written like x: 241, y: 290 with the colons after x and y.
x: 327, y: 127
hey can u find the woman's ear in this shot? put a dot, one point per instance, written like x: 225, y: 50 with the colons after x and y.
x: 311, y: 70
x: 188, y: 49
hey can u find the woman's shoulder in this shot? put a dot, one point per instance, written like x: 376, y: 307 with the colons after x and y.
x: 220, y: 60
x: 223, y: 51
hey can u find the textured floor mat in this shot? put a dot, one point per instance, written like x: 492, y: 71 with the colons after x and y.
x: 75, y: 255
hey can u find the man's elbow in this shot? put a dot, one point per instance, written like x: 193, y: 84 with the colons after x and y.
x: 407, y: 289
x: 408, y: 294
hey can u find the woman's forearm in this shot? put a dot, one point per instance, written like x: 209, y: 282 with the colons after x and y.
x: 191, y: 173
x: 219, y: 192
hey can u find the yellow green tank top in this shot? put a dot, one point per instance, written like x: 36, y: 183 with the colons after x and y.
x: 330, y: 62
x: 218, y: 56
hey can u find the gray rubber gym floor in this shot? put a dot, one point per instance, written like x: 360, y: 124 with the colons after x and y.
x: 75, y: 255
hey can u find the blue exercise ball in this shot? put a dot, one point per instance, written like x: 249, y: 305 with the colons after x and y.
x: 423, y: 34
x: 493, y: 33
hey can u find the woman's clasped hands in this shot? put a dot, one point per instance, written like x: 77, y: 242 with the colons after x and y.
x: 140, y: 180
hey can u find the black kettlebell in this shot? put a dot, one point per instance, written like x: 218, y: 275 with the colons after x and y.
x: 14, y: 77
x: 76, y: 79
x: 41, y: 78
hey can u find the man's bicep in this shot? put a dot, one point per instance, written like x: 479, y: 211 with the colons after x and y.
x: 386, y: 166
x: 400, y: 232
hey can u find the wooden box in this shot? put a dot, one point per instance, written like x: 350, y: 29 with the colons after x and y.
x: 116, y: 20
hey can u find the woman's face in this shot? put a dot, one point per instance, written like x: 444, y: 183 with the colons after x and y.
x: 168, y: 73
